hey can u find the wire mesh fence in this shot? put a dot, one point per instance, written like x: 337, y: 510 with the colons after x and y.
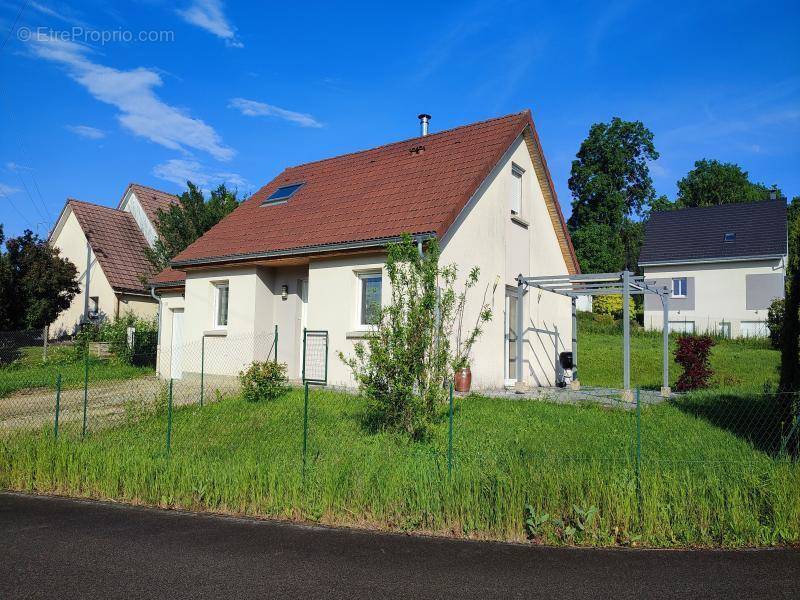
x: 699, y: 466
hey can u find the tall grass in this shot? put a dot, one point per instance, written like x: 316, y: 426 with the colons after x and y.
x: 700, y: 483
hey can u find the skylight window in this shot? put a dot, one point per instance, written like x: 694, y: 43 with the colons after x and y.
x: 730, y: 236
x: 282, y: 194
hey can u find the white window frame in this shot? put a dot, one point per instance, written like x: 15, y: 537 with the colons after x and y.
x: 218, y: 287
x: 361, y: 276
x: 94, y: 305
x: 685, y: 327
x: 517, y: 190
x: 685, y: 287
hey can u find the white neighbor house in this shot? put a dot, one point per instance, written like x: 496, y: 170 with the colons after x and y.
x: 107, y: 245
x: 308, y: 251
x: 723, y: 265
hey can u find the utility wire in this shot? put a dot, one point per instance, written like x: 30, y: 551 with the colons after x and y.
x: 22, y: 7
x: 24, y: 218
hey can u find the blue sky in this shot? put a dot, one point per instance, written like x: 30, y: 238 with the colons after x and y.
x: 234, y: 92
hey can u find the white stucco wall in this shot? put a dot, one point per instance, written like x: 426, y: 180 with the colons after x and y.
x: 71, y: 242
x: 484, y: 235
x: 719, y: 294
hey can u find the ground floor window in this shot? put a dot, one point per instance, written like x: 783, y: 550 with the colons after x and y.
x: 681, y: 327
x: 221, y: 292
x: 369, y: 298
x: 754, y: 329
x: 724, y: 329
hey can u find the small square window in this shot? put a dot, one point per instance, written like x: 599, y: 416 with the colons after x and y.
x: 679, y: 287
x: 515, y: 202
x: 282, y: 194
x: 221, y: 292
x: 94, y: 306
x: 370, y: 298
x: 730, y: 236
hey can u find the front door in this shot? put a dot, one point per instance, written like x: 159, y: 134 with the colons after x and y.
x: 511, y: 339
x: 176, y: 364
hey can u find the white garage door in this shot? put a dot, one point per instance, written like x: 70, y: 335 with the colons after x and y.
x: 753, y: 329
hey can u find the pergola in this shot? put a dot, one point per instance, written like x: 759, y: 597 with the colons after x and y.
x: 624, y: 283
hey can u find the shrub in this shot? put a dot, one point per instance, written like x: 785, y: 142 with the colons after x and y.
x: 421, y: 337
x: 775, y: 315
x: 692, y: 354
x: 264, y: 381
x: 611, y: 305
x: 115, y: 333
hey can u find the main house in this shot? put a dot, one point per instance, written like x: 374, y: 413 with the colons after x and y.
x: 308, y: 250
x: 107, y: 245
x: 723, y: 265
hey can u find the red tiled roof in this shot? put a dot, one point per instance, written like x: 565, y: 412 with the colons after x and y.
x: 117, y: 243
x: 151, y: 200
x: 167, y: 277
x: 371, y: 195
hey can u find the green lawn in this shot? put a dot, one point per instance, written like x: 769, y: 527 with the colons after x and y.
x: 702, y: 481
x: 737, y: 364
x: 29, y: 371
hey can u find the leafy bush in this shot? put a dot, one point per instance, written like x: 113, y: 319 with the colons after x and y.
x: 419, y: 340
x: 775, y: 315
x: 143, y: 351
x: 264, y: 381
x: 692, y: 354
x: 611, y: 305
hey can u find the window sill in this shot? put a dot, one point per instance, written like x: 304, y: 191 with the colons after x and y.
x: 215, y: 333
x: 520, y: 221
x: 358, y: 334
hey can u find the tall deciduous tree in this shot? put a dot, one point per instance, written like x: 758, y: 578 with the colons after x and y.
x: 35, y: 282
x: 184, y: 222
x: 611, y: 185
x: 713, y: 182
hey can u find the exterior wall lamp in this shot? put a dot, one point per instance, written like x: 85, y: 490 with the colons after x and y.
x: 284, y: 291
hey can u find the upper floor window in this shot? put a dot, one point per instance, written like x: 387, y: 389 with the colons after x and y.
x: 221, y: 291
x: 370, y: 298
x: 282, y: 194
x: 516, y: 189
x: 679, y: 287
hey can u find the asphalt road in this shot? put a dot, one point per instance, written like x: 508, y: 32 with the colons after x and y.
x: 58, y: 548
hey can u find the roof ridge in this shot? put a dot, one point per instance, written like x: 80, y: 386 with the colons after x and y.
x: 93, y: 204
x: 386, y: 145
x: 149, y: 187
x: 717, y: 206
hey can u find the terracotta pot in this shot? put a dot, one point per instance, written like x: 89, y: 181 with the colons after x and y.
x: 463, y: 380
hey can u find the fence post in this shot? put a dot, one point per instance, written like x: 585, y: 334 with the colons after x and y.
x: 305, y: 428
x: 276, y: 343
x: 639, y: 455
x: 450, y: 435
x: 169, y: 417
x: 85, y: 385
x: 202, y: 367
x: 58, y: 405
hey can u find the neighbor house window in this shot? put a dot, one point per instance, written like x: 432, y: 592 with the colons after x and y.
x: 679, y: 287
x: 516, y: 189
x: 681, y: 327
x: 370, y: 298
x: 94, y: 304
x: 221, y: 291
x: 730, y: 236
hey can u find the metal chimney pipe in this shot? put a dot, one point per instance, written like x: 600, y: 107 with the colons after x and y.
x: 423, y: 123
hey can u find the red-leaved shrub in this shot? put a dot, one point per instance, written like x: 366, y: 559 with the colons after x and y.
x: 692, y: 354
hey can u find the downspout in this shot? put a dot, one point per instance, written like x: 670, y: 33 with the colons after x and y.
x: 86, y: 287
x: 158, y: 327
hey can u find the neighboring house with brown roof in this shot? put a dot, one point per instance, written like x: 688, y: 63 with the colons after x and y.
x: 107, y: 245
x: 308, y: 251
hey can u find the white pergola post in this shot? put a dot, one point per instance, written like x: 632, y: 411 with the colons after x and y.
x: 520, y: 323
x: 575, y: 381
x: 626, y: 334
x: 665, y: 390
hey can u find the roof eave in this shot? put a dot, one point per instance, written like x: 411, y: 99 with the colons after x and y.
x: 302, y: 251
x: 697, y: 261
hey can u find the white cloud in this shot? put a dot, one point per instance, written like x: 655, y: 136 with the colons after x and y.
x: 141, y: 111
x: 209, y: 15
x: 16, y: 167
x: 179, y: 171
x: 252, y: 108
x: 62, y: 15
x: 7, y: 190
x: 85, y: 131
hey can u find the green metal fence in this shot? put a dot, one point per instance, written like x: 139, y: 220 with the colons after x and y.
x: 718, y: 462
